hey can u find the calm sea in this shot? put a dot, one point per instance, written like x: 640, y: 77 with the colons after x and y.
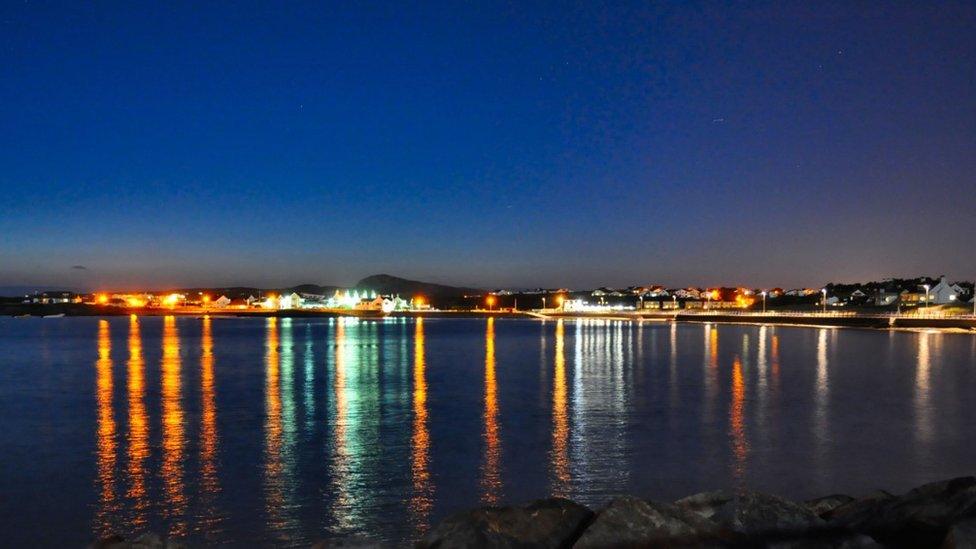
x: 284, y: 431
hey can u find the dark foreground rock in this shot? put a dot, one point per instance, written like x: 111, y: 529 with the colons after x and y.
x: 920, y: 518
x: 752, y: 513
x: 633, y: 522
x: 144, y: 541
x: 937, y: 515
x: 547, y: 523
x: 962, y: 535
x: 822, y: 506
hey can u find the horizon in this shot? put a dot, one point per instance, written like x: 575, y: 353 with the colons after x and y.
x: 18, y: 290
x: 485, y: 145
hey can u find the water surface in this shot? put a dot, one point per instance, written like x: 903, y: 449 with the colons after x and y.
x: 284, y: 431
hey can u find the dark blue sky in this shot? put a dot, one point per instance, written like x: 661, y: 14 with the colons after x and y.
x: 489, y: 144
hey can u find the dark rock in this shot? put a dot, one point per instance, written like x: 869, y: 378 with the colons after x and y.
x: 553, y: 522
x: 824, y: 540
x: 109, y: 542
x: 144, y: 541
x: 633, y: 522
x: 919, y: 518
x: 826, y: 504
x: 752, y: 513
x: 348, y: 543
x: 962, y: 535
x: 859, y: 507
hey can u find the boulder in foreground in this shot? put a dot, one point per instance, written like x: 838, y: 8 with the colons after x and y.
x: 633, y: 522
x: 751, y: 513
x: 547, y: 523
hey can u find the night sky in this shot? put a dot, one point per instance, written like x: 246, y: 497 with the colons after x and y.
x: 489, y: 144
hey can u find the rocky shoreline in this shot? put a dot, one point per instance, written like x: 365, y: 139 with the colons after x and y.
x: 939, y: 515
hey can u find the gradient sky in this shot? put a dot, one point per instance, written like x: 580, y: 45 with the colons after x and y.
x: 491, y: 144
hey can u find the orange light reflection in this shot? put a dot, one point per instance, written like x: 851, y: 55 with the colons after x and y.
x: 105, y: 436
x: 491, y: 476
x: 560, y: 418
x: 174, y: 441
x: 138, y: 426
x: 423, y: 489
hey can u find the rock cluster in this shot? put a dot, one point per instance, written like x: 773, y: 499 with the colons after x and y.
x: 940, y: 514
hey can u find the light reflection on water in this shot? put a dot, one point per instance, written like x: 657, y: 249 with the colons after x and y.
x: 138, y: 442
x: 106, y: 430
x: 174, y: 440
x: 491, y: 477
x: 282, y: 431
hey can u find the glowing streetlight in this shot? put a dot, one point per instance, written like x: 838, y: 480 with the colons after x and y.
x: 763, y: 293
x: 926, y: 286
x: 824, y: 292
x: 490, y: 301
x: 559, y: 301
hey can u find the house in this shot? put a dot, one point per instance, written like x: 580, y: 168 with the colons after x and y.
x: 292, y: 301
x: 46, y: 298
x: 222, y: 302
x: 943, y: 292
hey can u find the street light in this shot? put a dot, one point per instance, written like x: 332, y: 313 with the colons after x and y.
x: 824, y: 292
x: 491, y: 301
x: 763, y: 293
x: 543, y: 303
x: 926, y: 286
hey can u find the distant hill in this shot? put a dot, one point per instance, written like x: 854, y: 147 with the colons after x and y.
x: 386, y: 284
x: 311, y: 289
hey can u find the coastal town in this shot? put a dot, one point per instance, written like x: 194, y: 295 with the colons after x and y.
x: 928, y: 295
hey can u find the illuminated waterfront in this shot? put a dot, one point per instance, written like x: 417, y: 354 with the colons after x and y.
x: 284, y: 430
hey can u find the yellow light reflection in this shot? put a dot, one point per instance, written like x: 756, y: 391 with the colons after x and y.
x: 208, y: 423
x: 274, y: 494
x: 138, y: 426
x: 737, y: 427
x: 560, y: 418
x: 774, y: 355
x: 923, y: 408
x: 423, y: 487
x: 105, y: 435
x: 491, y: 475
x: 173, y: 435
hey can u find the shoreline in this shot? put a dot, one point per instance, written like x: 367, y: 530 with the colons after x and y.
x: 939, y: 514
x: 960, y: 324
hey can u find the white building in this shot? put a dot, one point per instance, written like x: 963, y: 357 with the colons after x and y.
x: 222, y: 302
x: 943, y: 292
x: 293, y: 301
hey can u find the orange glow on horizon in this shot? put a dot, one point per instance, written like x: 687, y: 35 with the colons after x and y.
x: 101, y: 299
